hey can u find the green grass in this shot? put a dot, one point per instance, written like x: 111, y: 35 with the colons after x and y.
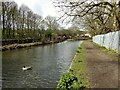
x: 69, y: 81
x: 78, y: 67
x: 106, y: 50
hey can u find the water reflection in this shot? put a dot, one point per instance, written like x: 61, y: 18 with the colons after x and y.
x: 48, y: 63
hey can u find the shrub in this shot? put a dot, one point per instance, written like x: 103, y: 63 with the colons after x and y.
x: 78, y: 50
x: 79, y: 47
x: 68, y: 81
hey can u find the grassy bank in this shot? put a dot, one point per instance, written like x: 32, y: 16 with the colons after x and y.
x: 75, y: 78
x: 78, y: 67
x: 106, y: 50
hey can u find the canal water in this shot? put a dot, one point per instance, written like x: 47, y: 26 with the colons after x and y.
x: 48, y: 63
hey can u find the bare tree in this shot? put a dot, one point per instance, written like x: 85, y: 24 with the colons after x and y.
x: 51, y: 23
x: 8, y: 18
x: 99, y: 11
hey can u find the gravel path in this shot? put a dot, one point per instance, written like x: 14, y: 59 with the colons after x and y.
x: 102, y: 67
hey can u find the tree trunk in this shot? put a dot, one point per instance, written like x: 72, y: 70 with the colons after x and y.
x: 3, y: 15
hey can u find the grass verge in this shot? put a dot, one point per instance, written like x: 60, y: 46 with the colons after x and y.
x: 78, y: 67
x: 106, y: 50
x: 75, y: 78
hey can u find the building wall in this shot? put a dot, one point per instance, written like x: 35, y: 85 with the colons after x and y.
x: 110, y: 40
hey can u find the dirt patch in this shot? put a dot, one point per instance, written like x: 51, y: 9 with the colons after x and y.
x: 102, y: 68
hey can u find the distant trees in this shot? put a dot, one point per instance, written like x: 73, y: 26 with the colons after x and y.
x: 51, y: 23
x: 8, y: 18
x: 98, y: 16
x: 19, y: 22
x: 22, y: 23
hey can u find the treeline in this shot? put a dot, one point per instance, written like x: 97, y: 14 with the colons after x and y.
x: 22, y: 23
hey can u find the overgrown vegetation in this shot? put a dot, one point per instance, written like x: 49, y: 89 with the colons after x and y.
x: 75, y: 77
x: 68, y: 81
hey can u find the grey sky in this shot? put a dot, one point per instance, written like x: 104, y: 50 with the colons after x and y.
x: 41, y: 7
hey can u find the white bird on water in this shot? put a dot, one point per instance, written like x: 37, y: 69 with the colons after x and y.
x: 26, y: 68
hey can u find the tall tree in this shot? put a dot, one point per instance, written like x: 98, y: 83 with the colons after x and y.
x: 3, y: 18
x: 51, y: 23
x: 14, y: 12
x: 99, y: 11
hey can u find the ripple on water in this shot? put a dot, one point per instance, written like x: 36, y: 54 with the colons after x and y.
x: 48, y: 63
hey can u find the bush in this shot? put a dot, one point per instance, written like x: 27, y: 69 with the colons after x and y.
x: 79, y: 47
x: 78, y: 50
x: 68, y: 81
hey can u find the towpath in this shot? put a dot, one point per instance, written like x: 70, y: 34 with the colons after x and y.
x: 102, y: 67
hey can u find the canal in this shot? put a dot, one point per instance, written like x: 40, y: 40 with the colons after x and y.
x: 48, y: 63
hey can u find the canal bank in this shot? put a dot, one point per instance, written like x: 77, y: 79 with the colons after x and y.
x: 78, y: 66
x: 93, y: 66
x: 18, y: 46
x: 75, y: 77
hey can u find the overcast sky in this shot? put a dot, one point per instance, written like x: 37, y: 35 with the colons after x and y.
x: 41, y: 7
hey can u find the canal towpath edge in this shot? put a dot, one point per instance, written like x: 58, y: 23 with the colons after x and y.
x: 100, y: 68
